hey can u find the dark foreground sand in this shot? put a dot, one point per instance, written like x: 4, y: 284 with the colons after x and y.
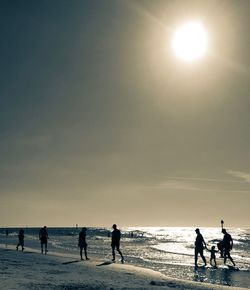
x: 31, y: 271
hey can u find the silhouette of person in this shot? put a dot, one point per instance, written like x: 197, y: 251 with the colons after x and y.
x: 6, y: 233
x: 199, y: 248
x: 212, y: 255
x: 220, y: 248
x: 82, y: 243
x: 43, y: 237
x: 227, y: 244
x: 115, y: 242
x: 20, y: 239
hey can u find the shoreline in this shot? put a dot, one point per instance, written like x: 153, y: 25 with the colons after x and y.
x: 33, y: 271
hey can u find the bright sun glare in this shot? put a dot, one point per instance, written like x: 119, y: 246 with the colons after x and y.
x: 190, y: 41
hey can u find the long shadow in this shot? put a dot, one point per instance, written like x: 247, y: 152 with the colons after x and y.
x: 71, y: 262
x: 105, y: 263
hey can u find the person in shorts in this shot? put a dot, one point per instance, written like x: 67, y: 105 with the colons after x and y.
x: 82, y: 244
x: 199, y: 242
x: 20, y: 239
x: 115, y: 242
x: 43, y: 237
x: 227, y: 244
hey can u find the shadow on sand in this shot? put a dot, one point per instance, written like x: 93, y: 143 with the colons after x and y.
x: 105, y: 263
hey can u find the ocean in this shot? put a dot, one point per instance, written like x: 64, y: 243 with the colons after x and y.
x: 169, y: 250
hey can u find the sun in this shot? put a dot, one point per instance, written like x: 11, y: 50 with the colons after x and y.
x: 190, y: 41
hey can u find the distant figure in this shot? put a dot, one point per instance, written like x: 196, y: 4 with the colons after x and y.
x: 20, y: 239
x: 115, y: 243
x: 131, y: 235
x: 82, y: 243
x: 43, y: 237
x: 199, y: 248
x: 227, y: 244
x: 212, y: 256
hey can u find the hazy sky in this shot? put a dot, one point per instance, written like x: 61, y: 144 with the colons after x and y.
x: 100, y: 123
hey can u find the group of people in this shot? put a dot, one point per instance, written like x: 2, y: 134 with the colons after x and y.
x: 115, y: 243
x: 224, y: 247
x: 43, y: 237
x: 82, y: 244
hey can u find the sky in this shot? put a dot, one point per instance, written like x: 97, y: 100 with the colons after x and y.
x: 100, y: 123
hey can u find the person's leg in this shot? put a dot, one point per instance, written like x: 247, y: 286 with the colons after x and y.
x: 231, y: 259
x: 85, y: 252
x: 195, y: 257
x: 17, y: 246
x: 119, y: 251
x: 203, y: 258
x: 22, y: 244
x: 226, y: 253
x: 113, y: 252
x: 81, y: 252
x: 42, y: 248
x: 46, y: 248
x: 211, y: 261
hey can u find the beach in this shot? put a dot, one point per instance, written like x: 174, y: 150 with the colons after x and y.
x: 32, y: 270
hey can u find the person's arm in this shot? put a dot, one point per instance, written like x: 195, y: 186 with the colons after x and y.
x: 204, y: 242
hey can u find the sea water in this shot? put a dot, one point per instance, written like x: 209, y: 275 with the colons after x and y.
x: 167, y: 250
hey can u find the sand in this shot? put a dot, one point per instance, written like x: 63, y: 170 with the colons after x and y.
x: 32, y: 270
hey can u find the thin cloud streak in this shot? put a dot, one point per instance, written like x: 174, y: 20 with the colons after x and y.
x: 193, y: 188
x: 206, y: 179
x: 240, y: 174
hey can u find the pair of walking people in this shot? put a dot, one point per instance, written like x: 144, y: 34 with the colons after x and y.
x: 226, y: 244
x: 43, y: 237
x: 115, y: 243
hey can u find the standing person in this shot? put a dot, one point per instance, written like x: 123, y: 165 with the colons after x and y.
x: 199, y: 248
x: 43, y: 237
x: 20, y: 239
x: 115, y: 243
x: 82, y: 243
x: 227, y: 244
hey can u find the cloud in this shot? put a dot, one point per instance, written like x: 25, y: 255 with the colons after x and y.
x: 197, y: 184
x: 240, y: 174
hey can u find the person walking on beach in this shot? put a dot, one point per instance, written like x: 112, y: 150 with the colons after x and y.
x: 199, y: 248
x: 20, y: 239
x: 43, y: 237
x: 82, y: 243
x: 212, y: 255
x: 115, y: 243
x: 227, y: 244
